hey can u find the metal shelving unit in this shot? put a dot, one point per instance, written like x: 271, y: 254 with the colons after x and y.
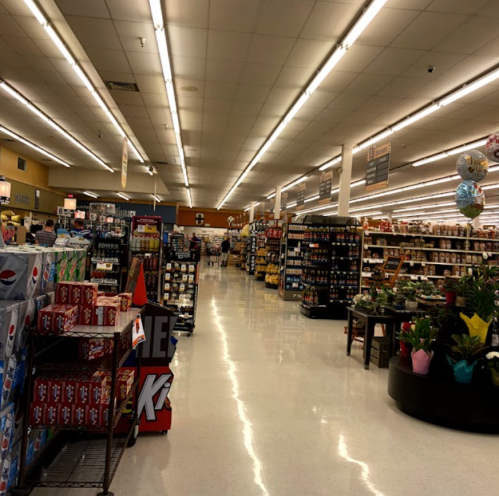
x: 81, y: 456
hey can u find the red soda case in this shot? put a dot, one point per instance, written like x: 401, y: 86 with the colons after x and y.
x: 50, y: 415
x: 82, y: 390
x: 97, y: 388
x: 54, y: 390
x: 64, y: 414
x: 68, y: 389
x: 125, y: 301
x: 79, y: 415
x: 76, y: 294
x: 62, y: 292
x: 40, y: 389
x: 91, y: 349
x: 89, y: 294
x: 85, y: 316
x: 37, y: 413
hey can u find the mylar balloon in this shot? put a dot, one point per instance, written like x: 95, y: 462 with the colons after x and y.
x: 492, y: 147
x: 472, y: 165
x: 470, y: 199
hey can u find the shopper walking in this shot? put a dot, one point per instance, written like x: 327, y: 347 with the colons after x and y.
x: 225, y: 252
x: 46, y: 236
x: 195, y: 247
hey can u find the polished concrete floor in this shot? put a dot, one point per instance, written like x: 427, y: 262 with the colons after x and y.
x: 267, y: 404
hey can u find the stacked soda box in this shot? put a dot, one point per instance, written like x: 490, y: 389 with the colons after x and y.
x: 76, y: 398
x: 29, y: 272
x: 79, y: 303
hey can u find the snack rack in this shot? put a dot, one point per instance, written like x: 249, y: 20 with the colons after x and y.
x: 272, y: 244
x: 291, y: 261
x: 81, y: 456
x: 106, y: 264
x: 181, y: 279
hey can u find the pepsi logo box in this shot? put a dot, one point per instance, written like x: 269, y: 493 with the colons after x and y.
x: 27, y: 319
x: 20, y: 274
x: 9, y: 324
x: 47, y: 282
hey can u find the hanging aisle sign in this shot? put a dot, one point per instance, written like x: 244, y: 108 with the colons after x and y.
x: 284, y: 200
x: 262, y: 210
x: 272, y: 207
x: 300, y: 196
x: 378, y: 165
x: 124, y: 163
x: 325, y: 187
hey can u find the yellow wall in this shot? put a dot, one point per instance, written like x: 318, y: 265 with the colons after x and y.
x: 36, y: 174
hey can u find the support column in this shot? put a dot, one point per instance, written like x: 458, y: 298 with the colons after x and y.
x: 277, y: 204
x: 345, y: 180
x: 252, y: 212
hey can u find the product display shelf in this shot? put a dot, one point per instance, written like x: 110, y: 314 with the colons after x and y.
x: 261, y: 257
x: 81, y: 457
x: 431, y: 256
x: 314, y: 301
x: 181, y: 292
x: 107, y: 263
x: 272, y: 245
x: 291, y: 261
x: 251, y: 254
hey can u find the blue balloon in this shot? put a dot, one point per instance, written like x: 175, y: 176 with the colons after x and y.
x: 470, y: 199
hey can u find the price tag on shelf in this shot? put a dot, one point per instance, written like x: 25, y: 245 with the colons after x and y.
x: 104, y: 266
x: 183, y: 268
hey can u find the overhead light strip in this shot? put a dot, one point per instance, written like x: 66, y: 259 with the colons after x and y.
x: 32, y: 145
x: 157, y: 198
x: 92, y: 195
x: 457, y: 94
x: 44, y: 117
x: 189, y: 196
x: 365, y: 19
x: 35, y: 10
x: 123, y: 196
x: 162, y: 43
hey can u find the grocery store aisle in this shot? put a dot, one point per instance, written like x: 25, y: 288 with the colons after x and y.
x: 267, y: 404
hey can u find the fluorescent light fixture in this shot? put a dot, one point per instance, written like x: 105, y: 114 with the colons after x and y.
x: 453, y: 151
x: 246, y: 209
x: 157, y: 198
x: 423, y: 207
x: 416, y: 117
x: 56, y: 39
x: 295, y: 183
x: 291, y: 205
x: 32, y: 145
x: 364, y: 21
x: 366, y: 214
x: 469, y: 88
x: 92, y: 195
x: 162, y: 44
x: 123, y: 196
x: 367, y: 16
x: 327, y: 165
x: 189, y: 196
x: 9, y: 89
x: 312, y: 198
x: 373, y: 140
x: 271, y: 196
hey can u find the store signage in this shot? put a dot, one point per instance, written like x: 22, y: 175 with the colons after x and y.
x: 262, y: 209
x: 378, y: 165
x: 325, y: 187
x: 65, y: 212
x: 37, y: 199
x: 124, y: 162
x: 300, y: 196
x: 284, y: 200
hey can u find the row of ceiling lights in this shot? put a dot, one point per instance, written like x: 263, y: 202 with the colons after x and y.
x: 464, y: 90
x: 365, y: 19
x: 83, y: 77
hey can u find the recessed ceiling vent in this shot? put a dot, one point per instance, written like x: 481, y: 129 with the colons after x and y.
x: 161, y: 163
x: 119, y: 86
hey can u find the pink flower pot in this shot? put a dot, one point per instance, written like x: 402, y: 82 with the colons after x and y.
x: 421, y: 361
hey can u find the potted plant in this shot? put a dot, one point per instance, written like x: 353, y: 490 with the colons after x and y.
x: 405, y: 346
x: 462, y: 289
x: 493, y: 364
x: 420, y: 336
x: 364, y: 302
x: 464, y: 356
x: 481, y: 302
x: 450, y: 291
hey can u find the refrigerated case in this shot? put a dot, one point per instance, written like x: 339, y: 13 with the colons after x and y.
x: 146, y: 243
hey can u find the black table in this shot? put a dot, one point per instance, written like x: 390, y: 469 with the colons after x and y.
x: 402, y: 315
x: 370, y: 321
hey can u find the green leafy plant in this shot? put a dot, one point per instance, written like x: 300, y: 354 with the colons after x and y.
x: 467, y: 348
x: 420, y: 335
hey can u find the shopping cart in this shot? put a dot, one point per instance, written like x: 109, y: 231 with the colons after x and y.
x: 213, y: 254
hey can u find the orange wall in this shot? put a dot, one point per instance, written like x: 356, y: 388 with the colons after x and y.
x: 212, y: 217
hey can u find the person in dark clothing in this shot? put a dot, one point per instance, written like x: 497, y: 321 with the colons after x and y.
x: 225, y: 252
x: 195, y: 247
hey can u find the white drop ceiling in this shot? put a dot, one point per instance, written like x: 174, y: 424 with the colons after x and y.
x: 238, y: 65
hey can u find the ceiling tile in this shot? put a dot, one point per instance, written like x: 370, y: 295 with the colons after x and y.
x: 357, y: 58
x: 389, y: 23
x: 270, y: 49
x: 393, y: 61
x: 309, y: 53
x: 294, y: 77
x: 222, y: 70
x: 252, y: 93
x: 189, y: 67
x: 260, y: 74
x: 428, y: 29
x: 89, y: 8
x: 130, y: 11
x: 368, y: 84
x: 188, y: 13
x: 96, y: 33
x: 328, y: 21
x: 224, y: 45
x: 108, y: 60
x: 234, y: 15
x: 221, y: 91
x: 187, y: 42
x: 283, y: 17
x: 456, y: 6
